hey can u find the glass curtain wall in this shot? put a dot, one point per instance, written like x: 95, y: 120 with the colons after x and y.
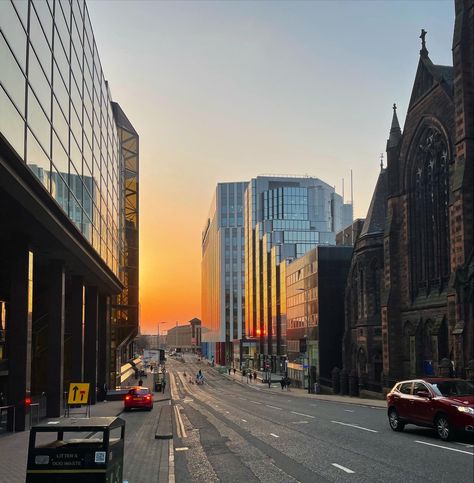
x: 56, y: 113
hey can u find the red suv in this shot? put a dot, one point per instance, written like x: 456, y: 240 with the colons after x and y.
x: 445, y: 404
x: 138, y: 397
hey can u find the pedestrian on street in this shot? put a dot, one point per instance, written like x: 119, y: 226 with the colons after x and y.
x: 229, y: 371
x: 234, y: 371
x: 163, y: 385
x: 140, y: 382
x: 255, y: 375
x: 282, y: 382
x: 250, y: 377
x: 287, y: 383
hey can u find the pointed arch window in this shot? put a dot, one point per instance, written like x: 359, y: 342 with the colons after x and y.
x: 429, y: 190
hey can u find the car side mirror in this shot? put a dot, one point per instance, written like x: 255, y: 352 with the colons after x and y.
x: 423, y: 394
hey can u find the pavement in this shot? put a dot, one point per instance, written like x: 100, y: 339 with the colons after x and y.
x: 230, y: 431
x: 146, y: 459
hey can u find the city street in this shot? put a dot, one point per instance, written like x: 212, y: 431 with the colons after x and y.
x: 233, y: 431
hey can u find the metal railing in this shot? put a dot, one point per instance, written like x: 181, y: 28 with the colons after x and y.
x: 4, y: 419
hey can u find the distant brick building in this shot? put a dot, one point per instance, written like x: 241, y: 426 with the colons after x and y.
x: 410, y: 289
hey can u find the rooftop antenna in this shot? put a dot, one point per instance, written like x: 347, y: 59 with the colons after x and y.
x: 381, y: 161
x: 352, y: 192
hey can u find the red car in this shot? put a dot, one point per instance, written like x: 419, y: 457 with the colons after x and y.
x: 138, y: 397
x: 444, y: 404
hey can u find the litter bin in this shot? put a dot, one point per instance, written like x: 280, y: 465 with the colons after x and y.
x: 77, y: 450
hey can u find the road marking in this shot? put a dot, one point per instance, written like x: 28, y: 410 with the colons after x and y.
x: 446, y: 447
x: 179, y: 421
x: 227, y: 412
x: 349, y: 410
x: 355, y: 426
x: 302, y: 414
x: 343, y: 468
x: 183, y: 448
x: 465, y: 445
x: 255, y: 402
x: 300, y: 422
x: 273, y: 407
x: 244, y: 420
x: 171, y: 477
x: 275, y: 435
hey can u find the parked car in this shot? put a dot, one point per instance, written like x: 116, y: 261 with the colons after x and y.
x: 138, y: 398
x: 447, y: 405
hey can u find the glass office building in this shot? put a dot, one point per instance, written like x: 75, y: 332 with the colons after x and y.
x: 56, y: 113
x: 222, y: 273
x: 64, y: 190
x: 284, y: 218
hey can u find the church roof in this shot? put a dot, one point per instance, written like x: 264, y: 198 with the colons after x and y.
x: 428, y: 75
x: 375, y: 220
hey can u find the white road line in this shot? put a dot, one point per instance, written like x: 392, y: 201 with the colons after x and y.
x: 273, y: 407
x: 343, y: 468
x: 300, y: 422
x: 182, y: 448
x: 171, y: 478
x: 275, y: 435
x: 349, y: 410
x: 302, y: 414
x: 255, y: 402
x: 244, y: 420
x: 355, y: 426
x: 446, y: 447
x: 465, y: 445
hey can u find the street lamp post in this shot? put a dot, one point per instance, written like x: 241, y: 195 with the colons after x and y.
x: 307, y: 335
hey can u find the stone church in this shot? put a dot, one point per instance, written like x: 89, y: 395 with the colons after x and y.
x: 410, y: 289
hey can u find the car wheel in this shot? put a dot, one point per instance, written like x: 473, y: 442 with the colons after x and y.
x: 394, y: 420
x: 127, y: 410
x: 443, y: 427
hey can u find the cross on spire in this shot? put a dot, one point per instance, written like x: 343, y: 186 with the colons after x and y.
x: 381, y: 161
x: 424, y: 50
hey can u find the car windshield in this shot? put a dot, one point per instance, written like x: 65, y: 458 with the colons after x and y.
x: 139, y: 392
x: 453, y: 388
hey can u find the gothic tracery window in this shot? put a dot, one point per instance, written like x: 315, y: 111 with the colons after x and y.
x: 429, y: 236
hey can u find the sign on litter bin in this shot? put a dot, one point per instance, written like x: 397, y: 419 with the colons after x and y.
x: 77, y: 450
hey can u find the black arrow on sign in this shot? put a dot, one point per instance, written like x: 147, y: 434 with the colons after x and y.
x: 74, y: 390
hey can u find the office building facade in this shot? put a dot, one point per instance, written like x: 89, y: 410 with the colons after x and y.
x: 284, y: 218
x: 222, y: 273
x: 315, y: 289
x: 62, y: 192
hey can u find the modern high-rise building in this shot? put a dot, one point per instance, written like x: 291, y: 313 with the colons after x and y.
x: 68, y: 191
x: 223, y: 273
x: 284, y: 218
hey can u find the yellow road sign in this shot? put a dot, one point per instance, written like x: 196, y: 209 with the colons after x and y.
x: 78, y: 393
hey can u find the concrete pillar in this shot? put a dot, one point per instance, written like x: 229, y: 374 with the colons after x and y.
x: 56, y: 306
x: 90, y: 341
x: 103, y: 362
x: 19, y: 330
x: 76, y: 328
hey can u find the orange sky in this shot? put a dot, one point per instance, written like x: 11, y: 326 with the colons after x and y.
x: 226, y: 91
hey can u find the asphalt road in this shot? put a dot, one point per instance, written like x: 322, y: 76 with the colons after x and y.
x: 228, y: 431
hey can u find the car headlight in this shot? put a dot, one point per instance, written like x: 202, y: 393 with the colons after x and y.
x: 464, y: 409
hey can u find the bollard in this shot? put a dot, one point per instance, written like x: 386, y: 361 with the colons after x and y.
x: 343, y: 382
x: 353, y: 384
x: 336, y: 383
